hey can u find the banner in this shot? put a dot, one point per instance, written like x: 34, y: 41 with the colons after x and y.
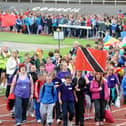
x: 8, y: 20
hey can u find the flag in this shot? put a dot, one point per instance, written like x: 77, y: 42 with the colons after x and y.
x: 8, y: 20
x: 91, y: 59
x: 123, y: 34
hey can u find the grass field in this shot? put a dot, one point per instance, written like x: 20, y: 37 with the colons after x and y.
x: 38, y: 39
x: 63, y: 52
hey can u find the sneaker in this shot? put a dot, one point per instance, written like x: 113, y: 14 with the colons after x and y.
x: 18, y: 124
x: 24, y: 121
x: 58, y: 121
x: 49, y: 124
x: 97, y: 124
x: 32, y: 115
x: 101, y: 124
x: 44, y: 122
x: 70, y: 123
x: 13, y: 115
x: 39, y: 121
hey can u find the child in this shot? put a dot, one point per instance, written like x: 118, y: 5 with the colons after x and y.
x: 57, y: 83
x: 100, y: 95
x: 37, y: 87
x: 47, y: 98
x: 67, y: 96
x: 124, y: 88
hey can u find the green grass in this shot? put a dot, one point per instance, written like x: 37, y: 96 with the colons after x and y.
x: 38, y: 39
x: 2, y: 91
x: 63, y: 52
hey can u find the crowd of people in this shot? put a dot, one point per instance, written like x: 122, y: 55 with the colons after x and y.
x: 35, y: 22
x: 50, y: 88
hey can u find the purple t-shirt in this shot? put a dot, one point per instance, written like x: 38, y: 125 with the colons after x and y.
x: 22, y: 88
x: 112, y: 81
x: 67, y: 93
x: 61, y: 75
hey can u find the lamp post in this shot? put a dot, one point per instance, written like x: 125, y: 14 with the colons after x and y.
x: 58, y: 35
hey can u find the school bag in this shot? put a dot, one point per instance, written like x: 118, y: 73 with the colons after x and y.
x: 52, y: 90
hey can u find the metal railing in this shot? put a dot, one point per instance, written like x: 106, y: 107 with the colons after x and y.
x: 115, y: 2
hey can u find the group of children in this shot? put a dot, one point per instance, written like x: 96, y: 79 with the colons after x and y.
x: 59, y: 89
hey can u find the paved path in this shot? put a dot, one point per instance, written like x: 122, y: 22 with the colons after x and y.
x: 29, y: 47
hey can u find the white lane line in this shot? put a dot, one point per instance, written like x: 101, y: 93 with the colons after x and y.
x: 119, y: 110
x: 4, y: 115
x: 121, y: 124
x: 3, y: 105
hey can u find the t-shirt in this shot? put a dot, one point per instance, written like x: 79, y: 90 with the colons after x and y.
x: 67, y: 92
x: 112, y: 81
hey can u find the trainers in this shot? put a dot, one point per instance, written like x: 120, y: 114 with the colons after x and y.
x: 13, y: 115
x: 101, y: 124
x: 49, y: 124
x: 70, y: 123
x: 32, y: 115
x: 18, y: 124
x: 24, y: 121
x: 44, y: 122
x: 39, y: 121
x: 58, y: 121
x: 97, y: 124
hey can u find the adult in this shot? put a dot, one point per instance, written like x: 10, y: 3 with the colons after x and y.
x: 11, y: 68
x: 79, y: 84
x: 22, y: 86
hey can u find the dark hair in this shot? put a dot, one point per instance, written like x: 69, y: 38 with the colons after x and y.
x: 42, y: 64
x: 50, y: 54
x: 56, y: 51
x: 68, y: 77
x: 62, y: 60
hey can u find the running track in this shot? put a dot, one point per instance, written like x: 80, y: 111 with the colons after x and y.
x: 118, y: 114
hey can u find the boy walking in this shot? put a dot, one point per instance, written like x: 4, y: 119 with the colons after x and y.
x: 48, y: 97
x: 67, y: 96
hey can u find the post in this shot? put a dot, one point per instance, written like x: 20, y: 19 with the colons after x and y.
x: 87, y: 33
x: 103, y: 2
x: 59, y: 41
x: 115, y: 3
x: 91, y: 2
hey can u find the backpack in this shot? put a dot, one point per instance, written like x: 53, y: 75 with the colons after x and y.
x: 28, y: 75
x: 52, y: 90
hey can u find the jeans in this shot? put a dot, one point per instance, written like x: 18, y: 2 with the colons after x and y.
x: 67, y: 107
x: 99, y: 109
x: 28, y: 29
x: 37, y: 109
x: 20, y: 109
x: 39, y: 29
x: 58, y: 111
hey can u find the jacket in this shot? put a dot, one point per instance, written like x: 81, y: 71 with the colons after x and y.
x: 124, y: 82
x: 94, y: 88
x: 37, y: 87
x: 46, y: 96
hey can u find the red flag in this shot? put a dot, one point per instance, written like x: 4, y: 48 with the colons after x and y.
x: 91, y: 59
x: 8, y: 20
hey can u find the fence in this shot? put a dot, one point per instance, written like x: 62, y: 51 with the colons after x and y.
x: 115, y: 2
